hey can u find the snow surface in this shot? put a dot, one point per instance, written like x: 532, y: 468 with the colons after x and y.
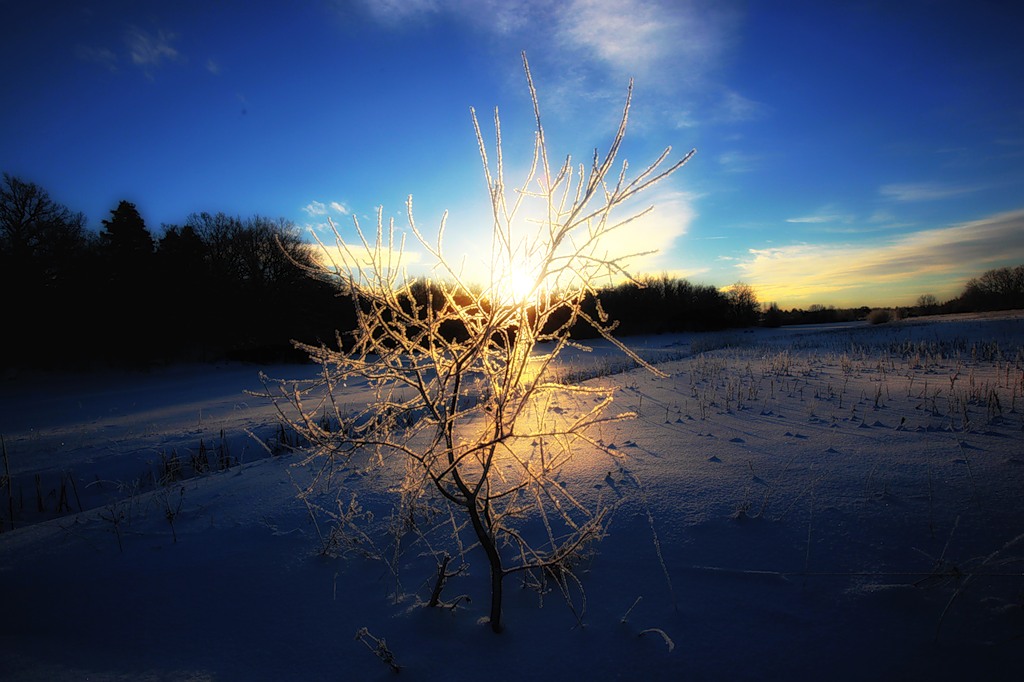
x: 837, y: 502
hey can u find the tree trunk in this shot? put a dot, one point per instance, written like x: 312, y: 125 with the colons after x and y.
x: 493, y: 559
x: 496, y: 581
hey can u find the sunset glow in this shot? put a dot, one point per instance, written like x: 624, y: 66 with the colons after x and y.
x: 517, y: 286
x: 826, y: 173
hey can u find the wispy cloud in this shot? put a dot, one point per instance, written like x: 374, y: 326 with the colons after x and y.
x: 315, y: 208
x: 319, y: 208
x: 356, y: 256
x: 621, y: 34
x: 674, y: 212
x: 497, y: 16
x: 924, y: 191
x: 812, y: 219
x: 735, y: 108
x: 394, y: 12
x: 149, y: 51
x: 891, y: 271
x: 682, y: 119
x: 823, y: 217
x: 735, y: 161
x: 667, y: 44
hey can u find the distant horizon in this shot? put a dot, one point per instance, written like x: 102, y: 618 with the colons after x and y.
x: 95, y: 227
x: 846, y: 152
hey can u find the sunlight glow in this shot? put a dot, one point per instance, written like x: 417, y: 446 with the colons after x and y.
x: 513, y: 285
x: 520, y: 285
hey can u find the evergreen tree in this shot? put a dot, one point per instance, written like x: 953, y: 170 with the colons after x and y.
x: 130, y: 315
x: 124, y: 235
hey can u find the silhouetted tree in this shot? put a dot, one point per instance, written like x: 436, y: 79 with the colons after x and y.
x: 45, y: 255
x: 182, y: 278
x: 129, y: 315
x: 773, y: 316
x: 33, y: 227
x: 183, y: 247
x: 999, y: 289
x: 124, y: 235
x: 744, y: 308
x: 257, y: 272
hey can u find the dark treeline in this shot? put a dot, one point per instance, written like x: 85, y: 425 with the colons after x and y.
x: 215, y: 287
x: 658, y: 305
x: 650, y: 305
x: 774, y: 316
x: 997, y: 289
x: 221, y: 287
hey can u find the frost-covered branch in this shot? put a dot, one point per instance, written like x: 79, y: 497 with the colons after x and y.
x: 460, y: 410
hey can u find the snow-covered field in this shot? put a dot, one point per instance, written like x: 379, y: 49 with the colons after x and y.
x: 835, y: 503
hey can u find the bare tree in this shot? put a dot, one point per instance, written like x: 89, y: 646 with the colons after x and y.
x: 34, y: 228
x: 46, y: 276
x: 745, y: 309
x: 927, y: 303
x: 464, y: 410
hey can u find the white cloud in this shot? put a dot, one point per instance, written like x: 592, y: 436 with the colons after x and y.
x: 735, y: 108
x: 620, y: 33
x: 398, y: 11
x: 315, y: 208
x: 319, y: 208
x: 667, y: 44
x: 813, y: 219
x: 507, y: 15
x: 148, y: 50
x: 656, y: 232
x: 354, y: 255
x: 823, y: 217
x: 501, y: 17
x: 924, y: 191
x: 682, y: 119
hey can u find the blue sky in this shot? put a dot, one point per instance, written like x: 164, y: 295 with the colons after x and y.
x: 849, y: 153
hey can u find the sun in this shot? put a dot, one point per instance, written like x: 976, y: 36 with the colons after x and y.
x: 513, y: 282
x: 519, y: 286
